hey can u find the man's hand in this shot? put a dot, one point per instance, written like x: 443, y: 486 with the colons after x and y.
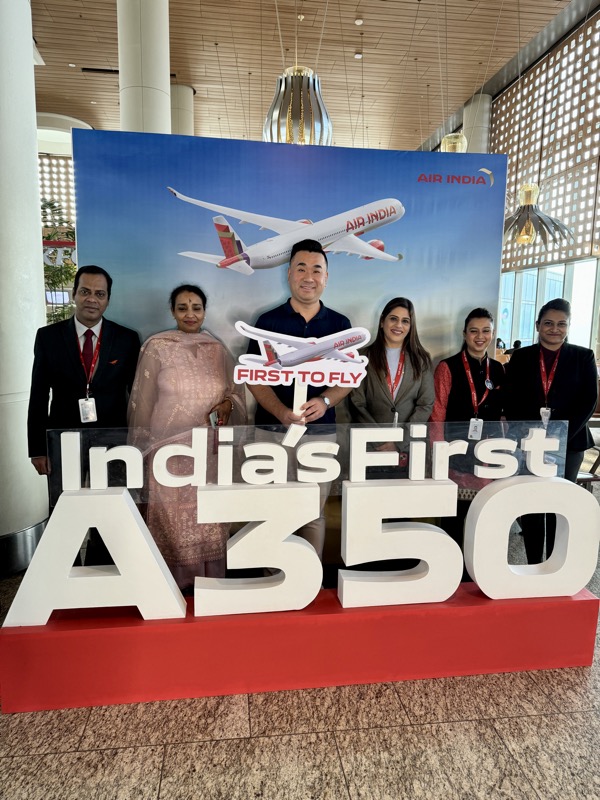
x: 266, y: 397
x: 313, y: 409
x: 386, y: 446
x: 287, y: 418
x: 42, y: 465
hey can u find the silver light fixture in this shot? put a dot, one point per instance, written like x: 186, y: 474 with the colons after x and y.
x: 298, y: 114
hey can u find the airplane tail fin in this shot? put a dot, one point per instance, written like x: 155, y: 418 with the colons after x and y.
x: 272, y: 357
x: 230, y: 242
x: 233, y: 248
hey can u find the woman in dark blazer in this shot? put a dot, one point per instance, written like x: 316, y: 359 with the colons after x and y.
x: 399, y: 383
x: 467, y: 387
x: 558, y: 380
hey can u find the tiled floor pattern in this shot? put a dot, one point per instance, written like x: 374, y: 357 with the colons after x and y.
x: 531, y: 735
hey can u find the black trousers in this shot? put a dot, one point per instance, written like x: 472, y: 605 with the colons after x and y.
x: 455, y: 528
x: 540, y: 529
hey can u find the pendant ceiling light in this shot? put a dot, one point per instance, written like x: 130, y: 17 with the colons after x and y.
x: 298, y: 114
x: 454, y: 143
x: 524, y: 224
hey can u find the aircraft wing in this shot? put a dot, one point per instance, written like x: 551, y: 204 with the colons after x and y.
x: 354, y: 246
x: 270, y: 223
x: 339, y: 355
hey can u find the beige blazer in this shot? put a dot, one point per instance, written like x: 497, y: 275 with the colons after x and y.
x: 372, y: 403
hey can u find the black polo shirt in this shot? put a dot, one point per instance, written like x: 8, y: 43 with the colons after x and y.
x: 288, y: 322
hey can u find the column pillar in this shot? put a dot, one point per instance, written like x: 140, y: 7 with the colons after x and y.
x: 144, y: 70
x: 182, y: 109
x: 477, y: 116
x: 23, y: 493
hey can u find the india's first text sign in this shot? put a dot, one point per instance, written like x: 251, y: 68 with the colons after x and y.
x: 273, y: 509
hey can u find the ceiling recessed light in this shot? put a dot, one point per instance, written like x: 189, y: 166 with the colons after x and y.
x: 72, y: 65
x: 358, y: 55
x: 358, y: 21
x: 300, y: 17
x: 93, y: 102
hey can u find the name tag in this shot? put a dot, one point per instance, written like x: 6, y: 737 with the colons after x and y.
x: 87, y: 409
x: 475, y: 429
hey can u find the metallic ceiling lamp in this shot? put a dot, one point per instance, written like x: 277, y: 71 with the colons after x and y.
x: 454, y: 143
x: 298, y: 114
x: 524, y: 224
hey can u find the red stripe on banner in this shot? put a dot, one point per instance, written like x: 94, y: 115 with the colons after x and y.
x: 101, y: 657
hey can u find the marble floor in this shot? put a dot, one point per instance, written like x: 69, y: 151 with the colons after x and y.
x: 533, y: 735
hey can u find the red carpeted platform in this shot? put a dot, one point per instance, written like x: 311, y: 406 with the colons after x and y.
x: 89, y: 658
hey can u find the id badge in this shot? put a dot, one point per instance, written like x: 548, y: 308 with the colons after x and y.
x: 545, y: 415
x: 475, y: 429
x: 87, y: 409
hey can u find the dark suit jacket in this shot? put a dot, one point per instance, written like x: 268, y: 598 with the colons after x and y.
x: 573, y: 394
x: 57, y: 366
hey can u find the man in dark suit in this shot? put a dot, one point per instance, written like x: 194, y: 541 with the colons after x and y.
x: 88, y: 364
x: 559, y: 380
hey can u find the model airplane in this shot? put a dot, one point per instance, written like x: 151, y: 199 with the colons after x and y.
x: 338, y: 234
x: 301, y: 351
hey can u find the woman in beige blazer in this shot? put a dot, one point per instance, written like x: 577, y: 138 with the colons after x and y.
x: 399, y: 383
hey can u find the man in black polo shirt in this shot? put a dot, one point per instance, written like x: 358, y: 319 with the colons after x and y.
x: 303, y: 315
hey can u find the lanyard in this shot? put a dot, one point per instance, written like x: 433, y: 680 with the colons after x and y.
x: 399, y: 371
x: 88, y: 377
x: 547, y: 381
x: 472, y: 385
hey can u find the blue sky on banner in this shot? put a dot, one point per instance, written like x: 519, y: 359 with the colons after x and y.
x: 450, y: 235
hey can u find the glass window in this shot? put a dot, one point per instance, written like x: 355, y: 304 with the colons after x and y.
x: 555, y: 279
x: 527, y: 311
x: 505, y: 308
x: 582, y: 302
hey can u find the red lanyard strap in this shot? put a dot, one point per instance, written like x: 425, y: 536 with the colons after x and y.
x: 88, y: 376
x: 547, y: 381
x: 393, y: 386
x: 472, y: 385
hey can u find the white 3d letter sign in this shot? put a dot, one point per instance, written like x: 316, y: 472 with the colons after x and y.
x: 573, y: 559
x: 279, y: 510
x: 365, y: 538
x: 139, y: 576
x: 274, y: 509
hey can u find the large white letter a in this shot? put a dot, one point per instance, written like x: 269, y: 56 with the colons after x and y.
x: 139, y: 577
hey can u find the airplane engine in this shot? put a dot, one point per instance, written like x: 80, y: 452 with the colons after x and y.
x: 377, y: 244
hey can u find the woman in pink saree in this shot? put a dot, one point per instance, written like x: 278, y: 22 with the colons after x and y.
x: 183, y: 377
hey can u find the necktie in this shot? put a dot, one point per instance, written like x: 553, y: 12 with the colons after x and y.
x: 88, y: 352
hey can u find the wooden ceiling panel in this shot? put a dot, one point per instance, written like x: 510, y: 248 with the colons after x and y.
x: 403, y: 42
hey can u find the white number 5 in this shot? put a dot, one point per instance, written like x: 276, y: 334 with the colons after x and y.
x: 366, y: 538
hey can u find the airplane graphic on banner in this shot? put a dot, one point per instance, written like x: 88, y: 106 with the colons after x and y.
x: 329, y: 361
x: 337, y: 234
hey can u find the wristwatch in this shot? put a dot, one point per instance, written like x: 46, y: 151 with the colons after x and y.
x: 326, y: 400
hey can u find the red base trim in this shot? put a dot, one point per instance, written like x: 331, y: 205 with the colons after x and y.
x: 101, y: 657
